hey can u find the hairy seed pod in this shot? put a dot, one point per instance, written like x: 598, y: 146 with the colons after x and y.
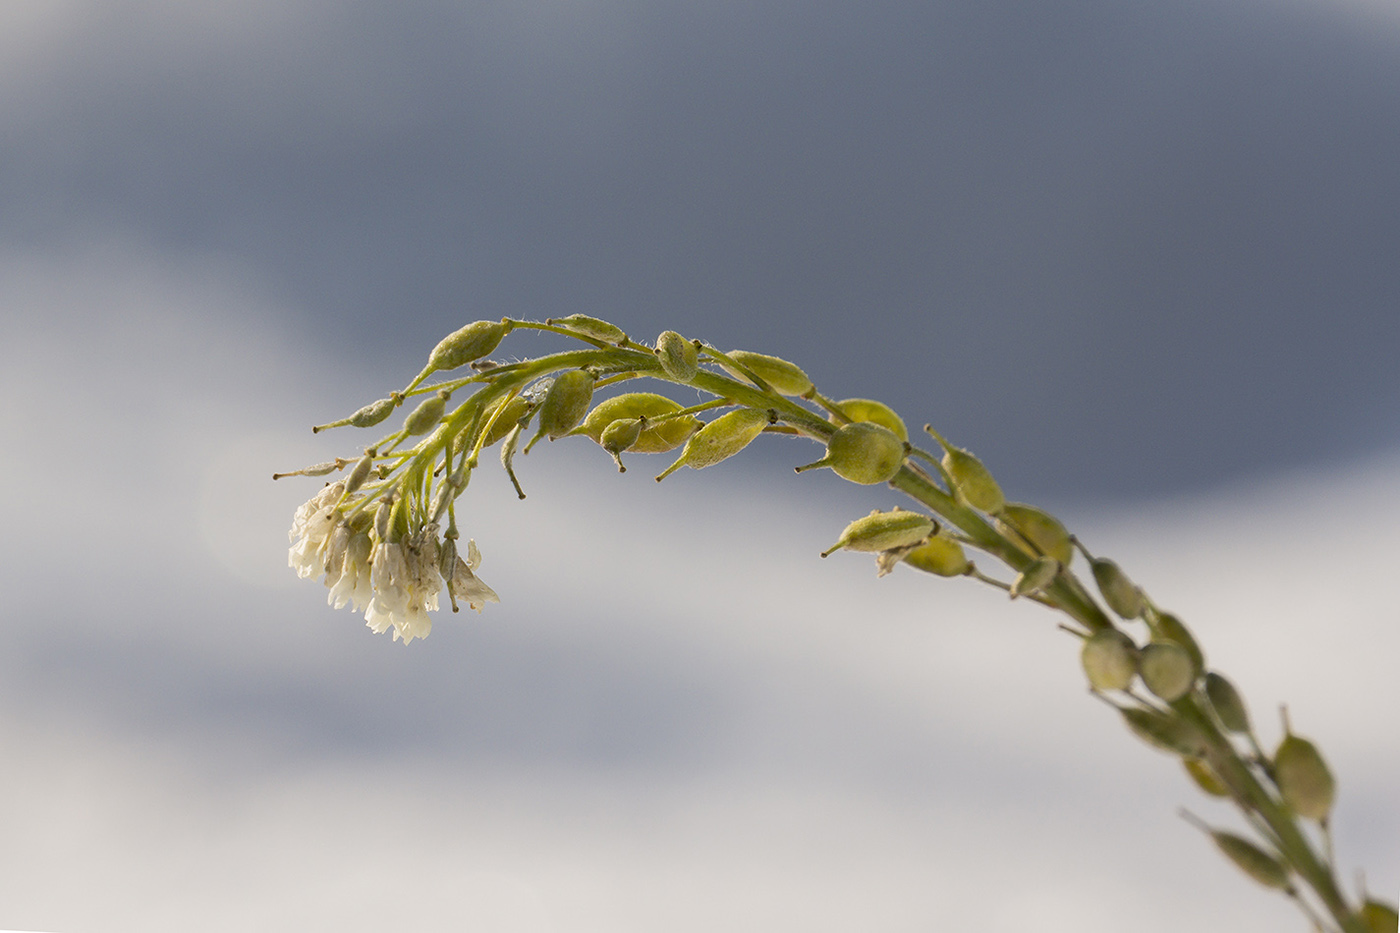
x: 620, y: 436
x: 511, y: 413
x: 867, y: 409
x: 1252, y: 860
x: 1040, y: 574
x: 1118, y: 591
x: 1167, y: 670
x: 1041, y: 529
x: 884, y: 531
x: 586, y: 326
x: 1228, y: 704
x: 1379, y: 917
x: 1110, y: 659
x: 565, y: 404
x: 1167, y: 627
x: 1303, y: 778
x: 678, y: 356
x: 360, y: 473
x: 1165, y: 732
x: 470, y: 343
x: 862, y: 452
x: 427, y: 415
x: 375, y: 412
x: 973, y: 481
x: 720, y: 439
x: 662, y: 432
x: 782, y: 377
x: 1205, y: 777
x: 942, y: 556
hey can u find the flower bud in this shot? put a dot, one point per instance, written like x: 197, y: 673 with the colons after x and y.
x: 862, y: 452
x: 1039, y: 528
x: 1167, y: 670
x: 1228, y: 704
x: 942, y: 556
x: 470, y: 343
x: 1252, y: 860
x: 678, y: 356
x: 564, y: 405
x: 1165, y: 732
x: 866, y: 409
x: 1118, y: 591
x: 973, y: 480
x: 381, y: 518
x: 510, y: 415
x: 426, y: 416
x: 357, y: 476
x: 620, y: 436
x: 662, y: 432
x: 1167, y: 627
x: 1205, y: 777
x: 1040, y: 574
x: 720, y: 439
x: 782, y: 377
x: 884, y: 531
x: 586, y: 326
x: 1110, y: 659
x: 1379, y: 917
x: 1303, y: 779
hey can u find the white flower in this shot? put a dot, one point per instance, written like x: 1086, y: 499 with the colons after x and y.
x: 349, y: 578
x: 311, y: 531
x: 405, y: 583
x: 466, y: 586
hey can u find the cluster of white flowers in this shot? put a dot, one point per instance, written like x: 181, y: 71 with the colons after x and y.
x: 395, y: 583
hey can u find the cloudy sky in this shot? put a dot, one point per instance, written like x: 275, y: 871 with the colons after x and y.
x: 1141, y: 258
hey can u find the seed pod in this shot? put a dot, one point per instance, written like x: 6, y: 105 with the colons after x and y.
x: 1118, y: 591
x: 360, y: 473
x: 426, y: 416
x: 1252, y: 860
x: 620, y: 436
x: 1040, y: 528
x: 1379, y: 917
x: 1165, y: 732
x: 586, y: 326
x: 1303, y: 779
x: 867, y: 409
x: 1040, y: 574
x: 782, y: 377
x: 720, y: 439
x: 1110, y: 659
x: 1228, y: 704
x: 883, y: 531
x: 941, y: 556
x: 564, y: 405
x: 678, y: 356
x: 470, y: 343
x: 1205, y: 777
x: 661, y: 433
x: 1167, y: 627
x: 511, y: 414
x: 862, y: 452
x: 973, y: 480
x: 1167, y: 670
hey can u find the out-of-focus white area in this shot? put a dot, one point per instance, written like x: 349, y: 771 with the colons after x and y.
x: 678, y: 718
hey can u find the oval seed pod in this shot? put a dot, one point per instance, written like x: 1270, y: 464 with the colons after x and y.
x: 883, y: 531
x: 1110, y: 659
x: 510, y: 415
x: 661, y: 434
x: 942, y: 556
x: 1118, y: 591
x: 470, y: 343
x: 1040, y: 528
x: 720, y: 439
x: 1379, y: 917
x: 1040, y: 574
x: 586, y: 326
x: 564, y: 405
x: 862, y: 452
x: 426, y: 416
x: 1205, y: 777
x: 678, y: 356
x: 1303, y: 778
x: 867, y: 409
x: 1228, y: 704
x: 782, y: 377
x: 621, y: 435
x: 1167, y: 670
x: 973, y: 481
x: 1164, y: 732
x: 1252, y: 860
x: 1168, y: 627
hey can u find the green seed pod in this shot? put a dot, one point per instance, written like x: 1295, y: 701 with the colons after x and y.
x: 1228, y: 704
x: 1379, y: 917
x: 1165, y: 732
x: 661, y: 434
x: 1040, y: 574
x: 862, y: 452
x: 620, y: 436
x: 867, y: 409
x: 1252, y: 860
x: 720, y: 439
x: 782, y: 377
x: 883, y: 531
x: 973, y: 481
x: 1167, y: 670
x: 360, y: 473
x: 586, y: 326
x: 678, y: 356
x: 942, y: 556
x: 1205, y: 777
x: 1039, y: 528
x: 511, y: 413
x: 426, y: 416
x: 564, y: 405
x: 1118, y: 591
x: 1167, y: 627
x: 1110, y: 659
x: 470, y: 343
x: 1303, y: 779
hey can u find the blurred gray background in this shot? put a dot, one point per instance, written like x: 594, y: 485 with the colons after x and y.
x: 1141, y: 258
